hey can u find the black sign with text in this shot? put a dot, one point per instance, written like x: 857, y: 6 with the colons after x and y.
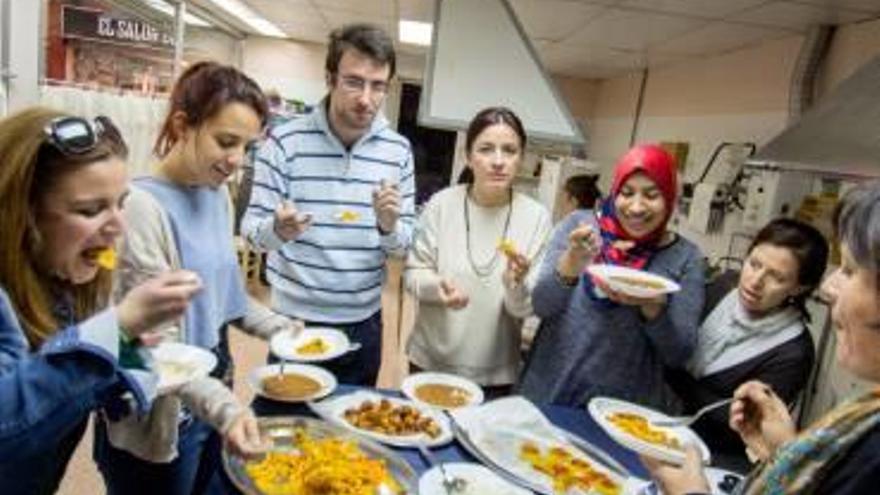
x: 97, y: 25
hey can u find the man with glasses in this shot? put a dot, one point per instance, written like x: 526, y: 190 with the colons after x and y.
x: 332, y: 197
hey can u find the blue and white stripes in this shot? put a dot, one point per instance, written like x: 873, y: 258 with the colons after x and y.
x: 334, y: 271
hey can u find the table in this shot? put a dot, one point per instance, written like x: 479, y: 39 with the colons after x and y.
x: 574, y: 420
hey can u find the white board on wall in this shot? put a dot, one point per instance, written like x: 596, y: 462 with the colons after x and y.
x: 481, y: 57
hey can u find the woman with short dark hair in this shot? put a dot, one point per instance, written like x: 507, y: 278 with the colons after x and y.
x: 758, y: 331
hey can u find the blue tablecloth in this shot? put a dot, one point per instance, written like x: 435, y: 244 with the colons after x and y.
x: 576, y: 421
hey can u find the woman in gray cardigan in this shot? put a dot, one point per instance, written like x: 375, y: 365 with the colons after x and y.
x: 595, y: 341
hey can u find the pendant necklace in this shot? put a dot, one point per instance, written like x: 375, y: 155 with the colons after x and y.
x: 486, y: 269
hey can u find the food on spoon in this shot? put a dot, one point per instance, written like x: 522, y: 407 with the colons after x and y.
x: 106, y: 258
x: 566, y: 470
x: 440, y: 394
x: 507, y: 247
x: 320, y: 466
x: 390, y: 419
x: 639, y: 427
x: 290, y: 386
x: 313, y: 347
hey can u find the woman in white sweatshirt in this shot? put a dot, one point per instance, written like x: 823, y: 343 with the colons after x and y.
x: 470, y: 261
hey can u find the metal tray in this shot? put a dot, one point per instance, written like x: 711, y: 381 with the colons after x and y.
x: 282, y: 428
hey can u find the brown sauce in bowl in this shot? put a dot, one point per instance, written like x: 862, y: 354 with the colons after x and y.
x: 291, y: 386
x: 442, y: 395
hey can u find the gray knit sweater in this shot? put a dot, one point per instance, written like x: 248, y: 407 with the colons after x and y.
x: 587, y: 347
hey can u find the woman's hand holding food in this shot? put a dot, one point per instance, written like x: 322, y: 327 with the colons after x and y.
x: 243, y: 436
x: 675, y: 480
x: 761, y: 419
x: 452, y: 296
x: 583, y: 244
x: 517, y: 269
x: 289, y: 222
x: 157, y: 301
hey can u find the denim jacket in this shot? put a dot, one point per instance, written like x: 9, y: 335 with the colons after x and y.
x: 45, y: 393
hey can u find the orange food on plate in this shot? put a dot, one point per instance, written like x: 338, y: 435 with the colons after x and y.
x: 389, y: 419
x: 638, y: 426
x: 566, y: 470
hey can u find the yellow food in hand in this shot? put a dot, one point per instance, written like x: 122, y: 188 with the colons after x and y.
x: 313, y: 347
x: 567, y: 471
x: 507, y: 247
x: 639, y: 427
x: 326, y: 466
x: 107, y: 258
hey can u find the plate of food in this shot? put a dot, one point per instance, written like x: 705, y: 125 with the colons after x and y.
x: 312, y: 457
x: 631, y: 426
x: 442, y: 390
x: 478, y: 480
x: 292, y: 382
x: 310, y: 345
x: 544, y: 464
x: 177, y: 363
x: 636, y: 283
x: 392, y: 421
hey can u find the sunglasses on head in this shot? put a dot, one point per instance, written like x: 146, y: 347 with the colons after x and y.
x: 77, y: 136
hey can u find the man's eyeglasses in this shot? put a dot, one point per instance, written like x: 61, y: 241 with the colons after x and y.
x: 354, y: 84
x: 77, y: 136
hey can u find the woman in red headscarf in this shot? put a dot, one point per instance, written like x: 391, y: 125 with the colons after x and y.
x: 597, y: 341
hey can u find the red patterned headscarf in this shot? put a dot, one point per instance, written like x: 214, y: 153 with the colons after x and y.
x: 659, y: 166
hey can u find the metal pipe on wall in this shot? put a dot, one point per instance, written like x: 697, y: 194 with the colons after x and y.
x: 179, y: 31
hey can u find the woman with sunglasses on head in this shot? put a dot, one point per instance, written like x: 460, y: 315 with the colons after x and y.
x: 470, y: 259
x: 840, y: 453
x: 62, y: 184
x: 757, y: 331
x: 597, y: 341
x: 181, y: 217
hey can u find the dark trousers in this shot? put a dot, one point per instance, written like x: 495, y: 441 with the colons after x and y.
x: 42, y: 473
x: 199, y: 449
x: 359, y: 367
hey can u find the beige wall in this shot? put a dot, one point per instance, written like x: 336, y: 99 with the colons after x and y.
x: 852, y: 47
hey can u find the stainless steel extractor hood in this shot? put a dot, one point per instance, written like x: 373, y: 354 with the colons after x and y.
x: 840, y: 135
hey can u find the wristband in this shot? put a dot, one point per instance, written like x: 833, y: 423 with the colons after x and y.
x: 565, y: 281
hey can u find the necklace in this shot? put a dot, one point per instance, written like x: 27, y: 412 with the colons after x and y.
x: 486, y: 269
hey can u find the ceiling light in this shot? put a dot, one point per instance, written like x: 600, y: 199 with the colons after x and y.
x: 165, y: 8
x: 247, y: 15
x: 415, y: 32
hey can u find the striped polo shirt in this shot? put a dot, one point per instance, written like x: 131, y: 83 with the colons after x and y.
x: 334, y: 271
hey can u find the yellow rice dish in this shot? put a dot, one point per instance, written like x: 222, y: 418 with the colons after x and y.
x: 325, y: 466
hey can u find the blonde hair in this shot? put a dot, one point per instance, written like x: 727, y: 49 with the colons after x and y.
x: 28, y: 169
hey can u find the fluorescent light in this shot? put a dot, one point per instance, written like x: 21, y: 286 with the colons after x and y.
x: 247, y: 15
x: 165, y: 8
x: 415, y: 32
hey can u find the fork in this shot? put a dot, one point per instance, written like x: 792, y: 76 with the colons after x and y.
x: 451, y: 484
x: 689, y: 420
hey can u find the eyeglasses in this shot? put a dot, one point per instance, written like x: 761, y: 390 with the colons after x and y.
x: 77, y: 136
x: 354, y: 84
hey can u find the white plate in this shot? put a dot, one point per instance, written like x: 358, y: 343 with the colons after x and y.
x: 412, y: 382
x: 333, y: 410
x: 320, y: 375
x: 480, y: 481
x: 601, y: 408
x: 284, y: 344
x: 178, y: 363
x: 615, y: 276
x: 502, y: 448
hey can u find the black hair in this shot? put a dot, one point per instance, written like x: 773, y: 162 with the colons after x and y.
x: 490, y: 116
x: 584, y: 190
x: 809, y: 248
x: 368, y: 39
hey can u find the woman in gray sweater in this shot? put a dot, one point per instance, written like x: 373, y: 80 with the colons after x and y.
x: 593, y: 340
